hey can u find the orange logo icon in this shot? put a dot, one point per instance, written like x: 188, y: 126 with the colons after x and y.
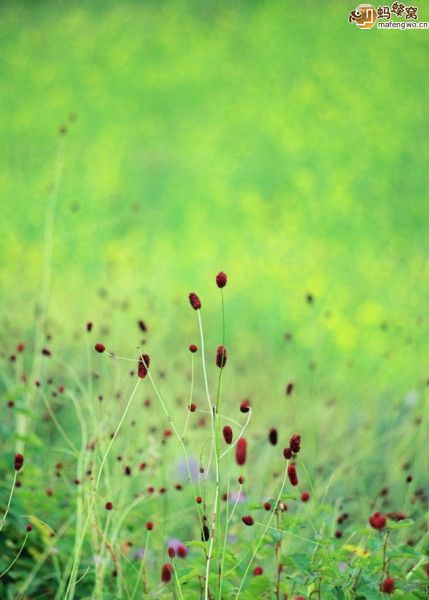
x: 364, y: 16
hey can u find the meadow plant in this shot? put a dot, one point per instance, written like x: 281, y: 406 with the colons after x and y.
x: 192, y: 490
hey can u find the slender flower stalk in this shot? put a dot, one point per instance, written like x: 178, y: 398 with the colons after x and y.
x: 243, y: 429
x: 216, y: 435
x: 23, y: 422
x: 12, y: 489
x: 222, y: 417
x: 278, y: 551
x: 142, y: 568
x: 72, y: 580
x: 190, y: 398
x: 237, y: 500
x: 79, y: 495
x: 58, y: 425
x: 179, y: 587
x: 225, y: 536
x: 179, y: 437
x: 16, y: 557
x: 384, y: 570
x: 104, y: 544
x: 263, y: 533
x: 216, y: 445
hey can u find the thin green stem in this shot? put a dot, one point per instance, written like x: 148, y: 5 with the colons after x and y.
x: 9, y: 501
x: 142, y: 567
x: 71, y: 584
x: 237, y: 500
x: 190, y: 398
x: 216, y: 443
x: 16, y: 557
x: 45, y: 284
x: 180, y: 439
x: 58, y: 425
x: 99, y: 574
x: 243, y: 429
x: 225, y: 537
x: 179, y: 587
x: 385, y: 562
x: 264, y: 532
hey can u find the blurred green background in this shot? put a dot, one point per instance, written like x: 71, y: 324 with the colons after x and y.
x: 273, y: 140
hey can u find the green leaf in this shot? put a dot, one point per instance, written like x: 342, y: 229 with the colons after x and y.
x: 259, y: 589
x: 187, y: 574
x: 196, y: 544
x: 339, y: 593
x: 400, y: 524
x: 300, y: 561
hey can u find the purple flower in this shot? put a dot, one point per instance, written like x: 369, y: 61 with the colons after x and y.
x: 182, y: 469
x: 239, y: 497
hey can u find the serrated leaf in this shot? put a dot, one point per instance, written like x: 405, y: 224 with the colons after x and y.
x: 301, y: 561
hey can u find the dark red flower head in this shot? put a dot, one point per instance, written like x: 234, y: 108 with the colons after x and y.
x: 377, y: 520
x: 241, y: 451
x: 267, y: 505
x: 221, y: 357
x: 100, y: 347
x: 143, y: 365
x: 396, y: 516
x: 258, y: 571
x: 182, y: 551
x: 192, y: 407
x: 221, y: 279
x: 227, y: 434
x: 166, y: 572
x: 194, y: 301
x: 193, y: 348
x: 149, y: 525
x: 205, y: 533
x: 388, y: 586
x: 29, y: 527
x: 245, y: 406
x: 291, y: 473
x: 18, y: 462
x: 89, y: 326
x: 287, y: 453
x: 305, y: 496
x: 295, y: 443
x: 247, y: 520
x: 142, y: 325
x: 171, y: 552
x: 272, y: 436
x: 109, y: 505
x: 20, y: 347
